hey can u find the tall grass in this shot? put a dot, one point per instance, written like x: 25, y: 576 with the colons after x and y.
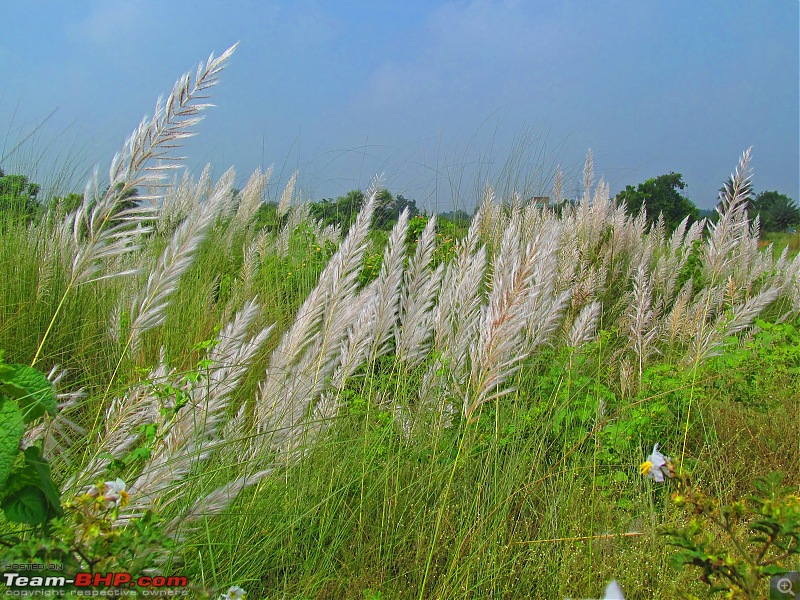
x: 462, y: 429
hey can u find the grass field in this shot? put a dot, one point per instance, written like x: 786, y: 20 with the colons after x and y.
x: 312, y: 413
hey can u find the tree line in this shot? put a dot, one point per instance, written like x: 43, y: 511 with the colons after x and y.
x: 19, y: 197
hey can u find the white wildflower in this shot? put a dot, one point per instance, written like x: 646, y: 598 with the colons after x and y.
x: 234, y: 593
x: 657, y: 466
x: 112, y: 492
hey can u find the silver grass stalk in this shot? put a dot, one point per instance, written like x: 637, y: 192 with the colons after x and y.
x: 727, y: 233
x: 296, y: 215
x: 545, y: 307
x: 709, y: 341
x: 793, y: 284
x: 643, y: 317
x: 355, y: 347
x: 195, y: 431
x: 100, y: 229
x: 497, y: 354
x: 120, y: 431
x: 584, y: 326
x: 57, y: 433
x: 234, y: 432
x: 676, y: 322
x: 228, y: 199
x: 247, y: 275
x: 588, y: 179
x: 388, y: 288
x: 288, y: 194
x: 213, y: 503
x: 367, y: 338
x: 457, y: 315
x: 558, y: 187
x: 173, y: 205
x: 148, y: 309
x: 104, y: 231
x: 306, y: 354
x: 182, y: 199
x: 417, y: 299
x: 249, y: 200
x: 680, y: 249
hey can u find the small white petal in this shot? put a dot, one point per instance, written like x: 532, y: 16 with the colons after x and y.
x: 613, y: 591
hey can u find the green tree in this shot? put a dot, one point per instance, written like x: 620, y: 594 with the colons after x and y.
x: 777, y: 211
x: 344, y: 209
x: 18, y: 196
x: 341, y: 211
x: 66, y: 204
x: 660, y: 195
x: 389, y: 209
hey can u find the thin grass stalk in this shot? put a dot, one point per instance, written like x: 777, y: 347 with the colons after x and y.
x: 100, y: 229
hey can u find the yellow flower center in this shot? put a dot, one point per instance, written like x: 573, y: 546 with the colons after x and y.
x: 645, y: 467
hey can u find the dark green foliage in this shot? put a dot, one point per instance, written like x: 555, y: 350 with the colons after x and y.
x: 28, y: 493
x: 344, y: 209
x: 758, y: 371
x: 660, y: 196
x: 18, y: 196
x: 267, y: 217
x: 389, y: 213
x: 67, y: 204
x: 761, y: 535
x: 341, y: 211
x: 777, y: 211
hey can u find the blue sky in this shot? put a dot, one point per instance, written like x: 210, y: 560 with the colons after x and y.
x: 438, y: 96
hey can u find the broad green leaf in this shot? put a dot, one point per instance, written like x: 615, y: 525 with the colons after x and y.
x: 38, y: 465
x: 28, y: 506
x: 10, y: 436
x: 31, y: 389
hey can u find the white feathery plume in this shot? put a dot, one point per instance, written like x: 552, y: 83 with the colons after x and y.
x: 676, y: 322
x: 57, y: 432
x: 100, y: 229
x: 377, y: 313
x: 250, y: 199
x: 545, y: 308
x: 355, y: 347
x: 417, y: 300
x: 194, y: 432
x: 708, y: 341
x: 643, y: 317
x: 457, y: 315
x: 297, y: 215
x: 148, y: 309
x: 121, y: 423
x: 211, y: 504
x: 588, y: 179
x: 388, y: 288
x: 228, y: 199
x: 558, y: 187
x: 727, y: 233
x: 288, y: 194
x: 306, y: 354
x: 497, y: 353
x: 584, y: 326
